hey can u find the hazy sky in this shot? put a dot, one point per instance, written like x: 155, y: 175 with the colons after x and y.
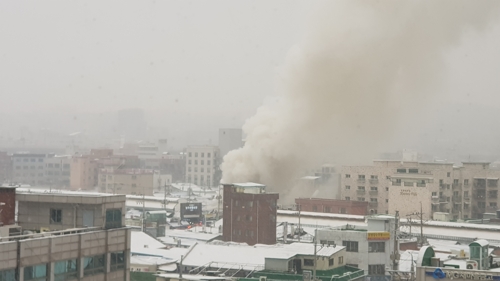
x: 191, y: 65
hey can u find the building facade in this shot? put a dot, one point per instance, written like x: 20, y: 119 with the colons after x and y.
x: 58, y: 211
x: 83, y: 174
x: 368, y: 248
x: 58, y: 171
x: 7, y: 205
x: 249, y: 214
x: 202, y: 165
x: 465, y: 192
x: 5, y: 167
x: 29, y: 168
x: 127, y: 181
x: 334, y: 206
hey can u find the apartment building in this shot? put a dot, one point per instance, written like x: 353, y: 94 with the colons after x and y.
x: 333, y: 206
x: 29, y: 168
x: 127, y: 181
x: 202, y: 165
x: 58, y: 171
x: 465, y: 192
x: 249, y: 214
x: 83, y: 172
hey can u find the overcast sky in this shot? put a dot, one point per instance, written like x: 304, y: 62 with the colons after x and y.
x: 191, y: 65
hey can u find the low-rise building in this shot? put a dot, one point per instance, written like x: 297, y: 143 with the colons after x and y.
x: 127, y: 181
x: 249, y: 214
x: 44, y: 211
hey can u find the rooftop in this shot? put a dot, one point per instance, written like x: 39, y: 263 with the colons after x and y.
x: 249, y: 184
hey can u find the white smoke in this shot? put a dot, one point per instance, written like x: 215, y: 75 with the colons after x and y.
x: 361, y: 70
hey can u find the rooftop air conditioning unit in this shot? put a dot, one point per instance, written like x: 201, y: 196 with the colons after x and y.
x: 471, y: 264
x: 263, y: 278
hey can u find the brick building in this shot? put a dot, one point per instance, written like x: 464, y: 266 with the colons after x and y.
x: 7, y: 205
x: 332, y: 206
x: 249, y: 214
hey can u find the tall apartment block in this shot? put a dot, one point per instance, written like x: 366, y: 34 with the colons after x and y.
x: 465, y: 192
x: 249, y: 214
x: 202, y: 165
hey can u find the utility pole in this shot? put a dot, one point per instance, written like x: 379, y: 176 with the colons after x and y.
x: 315, y: 253
x: 421, y: 225
x: 300, y: 231
x: 395, y: 253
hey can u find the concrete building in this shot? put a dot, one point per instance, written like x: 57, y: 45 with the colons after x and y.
x: 42, y: 211
x: 332, y: 206
x: 465, y: 192
x: 58, y: 171
x: 368, y: 248
x: 5, y: 167
x: 29, y: 168
x: 174, y: 165
x: 202, y: 165
x: 79, y: 254
x: 127, y: 181
x: 230, y: 139
x: 249, y: 214
x: 83, y: 172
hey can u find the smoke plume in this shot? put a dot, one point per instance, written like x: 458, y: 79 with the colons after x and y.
x: 362, y: 69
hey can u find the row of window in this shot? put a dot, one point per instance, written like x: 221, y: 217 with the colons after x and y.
x: 68, y: 269
x: 372, y: 188
x: 202, y: 154
x: 202, y: 162
x: 331, y: 261
x: 29, y: 159
x: 113, y: 217
x: 373, y: 247
x: 202, y: 170
x: 372, y: 200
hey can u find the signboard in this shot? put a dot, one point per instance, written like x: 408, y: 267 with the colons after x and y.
x: 191, y: 211
x: 379, y: 235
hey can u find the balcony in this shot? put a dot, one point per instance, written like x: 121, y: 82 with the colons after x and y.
x: 373, y: 181
x: 361, y: 180
x: 361, y: 191
x: 492, y: 195
x: 396, y: 184
x: 443, y: 199
x: 457, y: 198
x: 466, y: 198
x: 373, y: 192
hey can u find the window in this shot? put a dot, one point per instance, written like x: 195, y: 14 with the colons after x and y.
x: 33, y: 159
x: 236, y: 203
x: 347, y: 198
x: 455, y: 181
x: 202, y: 154
x: 493, y: 204
x: 347, y: 176
x: 374, y: 177
x: 376, y: 269
x: 64, y: 270
x: 373, y: 188
x: 315, y: 208
x: 466, y: 194
x: 190, y: 154
x: 201, y: 169
x: 238, y: 218
x: 308, y: 262
x: 341, y: 260
x: 55, y: 216
x: 93, y: 265
x: 250, y: 204
x: 386, y: 188
x: 208, y: 154
x: 361, y: 198
x: 196, y: 162
x: 361, y: 188
x: 208, y: 162
x: 330, y: 262
x: 376, y: 247
x: 343, y: 211
x: 401, y: 171
x: 466, y: 182
x: 373, y: 200
x: 327, y: 209
x: 249, y: 218
x: 386, y: 200
x: 8, y: 275
x: 413, y: 171
x: 361, y: 177
x: 202, y: 162
x: 196, y: 154
x: 434, y: 193
x: 448, y: 174
x: 117, y: 261
x: 113, y: 218
x: 350, y: 246
x: 36, y: 272
x: 347, y: 187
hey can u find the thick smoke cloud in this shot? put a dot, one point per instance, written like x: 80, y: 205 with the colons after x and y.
x: 363, y: 68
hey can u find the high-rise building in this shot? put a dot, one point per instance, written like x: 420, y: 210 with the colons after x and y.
x: 202, y: 165
x: 230, y: 139
x: 465, y: 192
x: 249, y: 214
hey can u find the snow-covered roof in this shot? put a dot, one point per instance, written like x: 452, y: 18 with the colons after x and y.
x: 248, y: 184
x: 148, y: 260
x: 186, y: 234
x: 141, y: 240
x: 249, y: 257
x: 172, y: 254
